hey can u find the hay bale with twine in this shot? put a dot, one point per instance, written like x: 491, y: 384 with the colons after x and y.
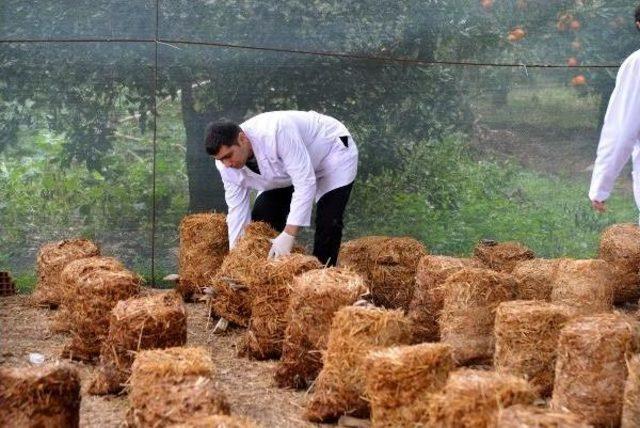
x: 355, y: 331
x: 315, y: 297
x: 620, y: 246
x: 388, y: 265
x: 631, y: 406
x: 149, y: 322
x: 591, y: 368
x: 269, y: 302
x: 467, y: 318
x: 398, y: 379
x: 50, y: 261
x: 170, y: 386
x: 521, y: 416
x: 47, y: 396
x: 217, y: 421
x: 473, y: 398
x: 95, y: 285
x: 534, y: 278
x: 587, y: 285
x: 426, y: 305
x: 204, y: 243
x: 526, y: 334
x: 502, y: 256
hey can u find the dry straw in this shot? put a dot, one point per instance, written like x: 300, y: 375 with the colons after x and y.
x: 591, y: 368
x: 46, y: 396
x: 398, y: 379
x: 526, y: 334
x: 473, y: 398
x: 534, y: 278
x: 315, y: 298
x: 620, y: 246
x: 204, y: 243
x: 427, y: 302
x: 95, y: 285
x: 217, y: 421
x: 355, y: 331
x: 150, y: 322
x: 388, y: 264
x: 466, y: 322
x: 521, y: 416
x: 584, y: 284
x: 631, y: 407
x: 169, y: 386
x: 50, y: 261
x: 503, y: 256
x: 269, y: 303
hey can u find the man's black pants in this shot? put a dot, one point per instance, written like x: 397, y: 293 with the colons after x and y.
x: 272, y: 206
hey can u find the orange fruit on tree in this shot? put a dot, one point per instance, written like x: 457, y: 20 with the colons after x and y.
x: 579, y: 80
x: 486, y: 4
x: 516, y: 34
x: 573, y: 62
x: 575, y: 25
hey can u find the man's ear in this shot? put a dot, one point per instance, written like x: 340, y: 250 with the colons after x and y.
x: 638, y: 25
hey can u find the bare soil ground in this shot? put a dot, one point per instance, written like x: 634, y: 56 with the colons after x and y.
x: 248, y: 384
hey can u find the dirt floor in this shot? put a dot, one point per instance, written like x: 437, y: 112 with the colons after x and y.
x: 248, y: 384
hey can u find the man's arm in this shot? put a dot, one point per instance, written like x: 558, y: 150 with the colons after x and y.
x: 239, y: 209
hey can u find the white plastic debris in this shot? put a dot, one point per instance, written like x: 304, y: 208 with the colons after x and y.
x: 35, y: 358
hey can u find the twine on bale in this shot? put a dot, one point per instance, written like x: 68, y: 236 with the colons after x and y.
x: 315, y: 298
x: 534, y: 278
x: 204, y: 243
x: 388, y: 265
x: 631, y: 406
x: 587, y: 285
x: 47, y: 396
x: 269, y: 303
x: 355, y: 331
x: 591, y: 368
x: 502, y: 256
x: 620, y: 246
x: 521, y: 416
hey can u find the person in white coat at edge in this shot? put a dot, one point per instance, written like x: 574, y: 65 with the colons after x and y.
x: 620, y: 135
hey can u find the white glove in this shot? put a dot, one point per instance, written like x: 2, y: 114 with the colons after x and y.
x: 281, y: 245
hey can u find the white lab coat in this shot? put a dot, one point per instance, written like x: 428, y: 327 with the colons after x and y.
x: 620, y: 133
x: 296, y: 148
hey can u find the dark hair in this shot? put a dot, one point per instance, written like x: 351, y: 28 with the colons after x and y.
x: 637, y: 13
x: 220, y: 134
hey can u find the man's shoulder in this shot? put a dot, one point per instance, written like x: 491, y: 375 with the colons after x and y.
x: 632, y: 60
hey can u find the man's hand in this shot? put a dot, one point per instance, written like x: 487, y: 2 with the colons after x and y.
x: 281, y: 245
x: 599, y: 206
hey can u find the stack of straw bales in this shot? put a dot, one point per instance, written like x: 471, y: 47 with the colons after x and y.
x: 427, y: 302
x: 46, y: 396
x: 591, y: 370
x: 150, y: 322
x: 466, y: 323
x: 526, y: 334
x: 503, y: 256
x: 315, y: 298
x: 473, y: 398
x: 217, y: 421
x: 388, y: 265
x: 269, y: 303
x: 51, y: 260
x: 620, y: 246
x: 520, y: 416
x: 631, y: 407
x: 169, y: 386
x: 399, y: 379
x: 534, y: 278
x: 355, y: 331
x: 204, y: 243
x: 95, y: 285
x: 587, y: 285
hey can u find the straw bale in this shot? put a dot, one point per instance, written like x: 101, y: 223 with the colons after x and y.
x: 591, y: 369
x: 587, y: 285
x: 620, y: 246
x: 95, y: 285
x: 50, y: 261
x: 399, y: 378
x: 502, y: 256
x: 315, y: 297
x: 217, y: 421
x: 169, y: 386
x: 521, y: 416
x: 149, y: 322
x: 355, y: 331
x: 47, y: 396
x: 526, y: 334
x: 269, y: 303
x: 534, y: 278
x: 466, y: 322
x: 631, y: 406
x: 473, y: 398
x: 204, y: 243
x: 388, y: 265
x: 427, y: 301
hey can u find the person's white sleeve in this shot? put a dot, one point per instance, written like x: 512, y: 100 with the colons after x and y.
x: 620, y: 131
x: 239, y: 210
x: 297, y: 163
